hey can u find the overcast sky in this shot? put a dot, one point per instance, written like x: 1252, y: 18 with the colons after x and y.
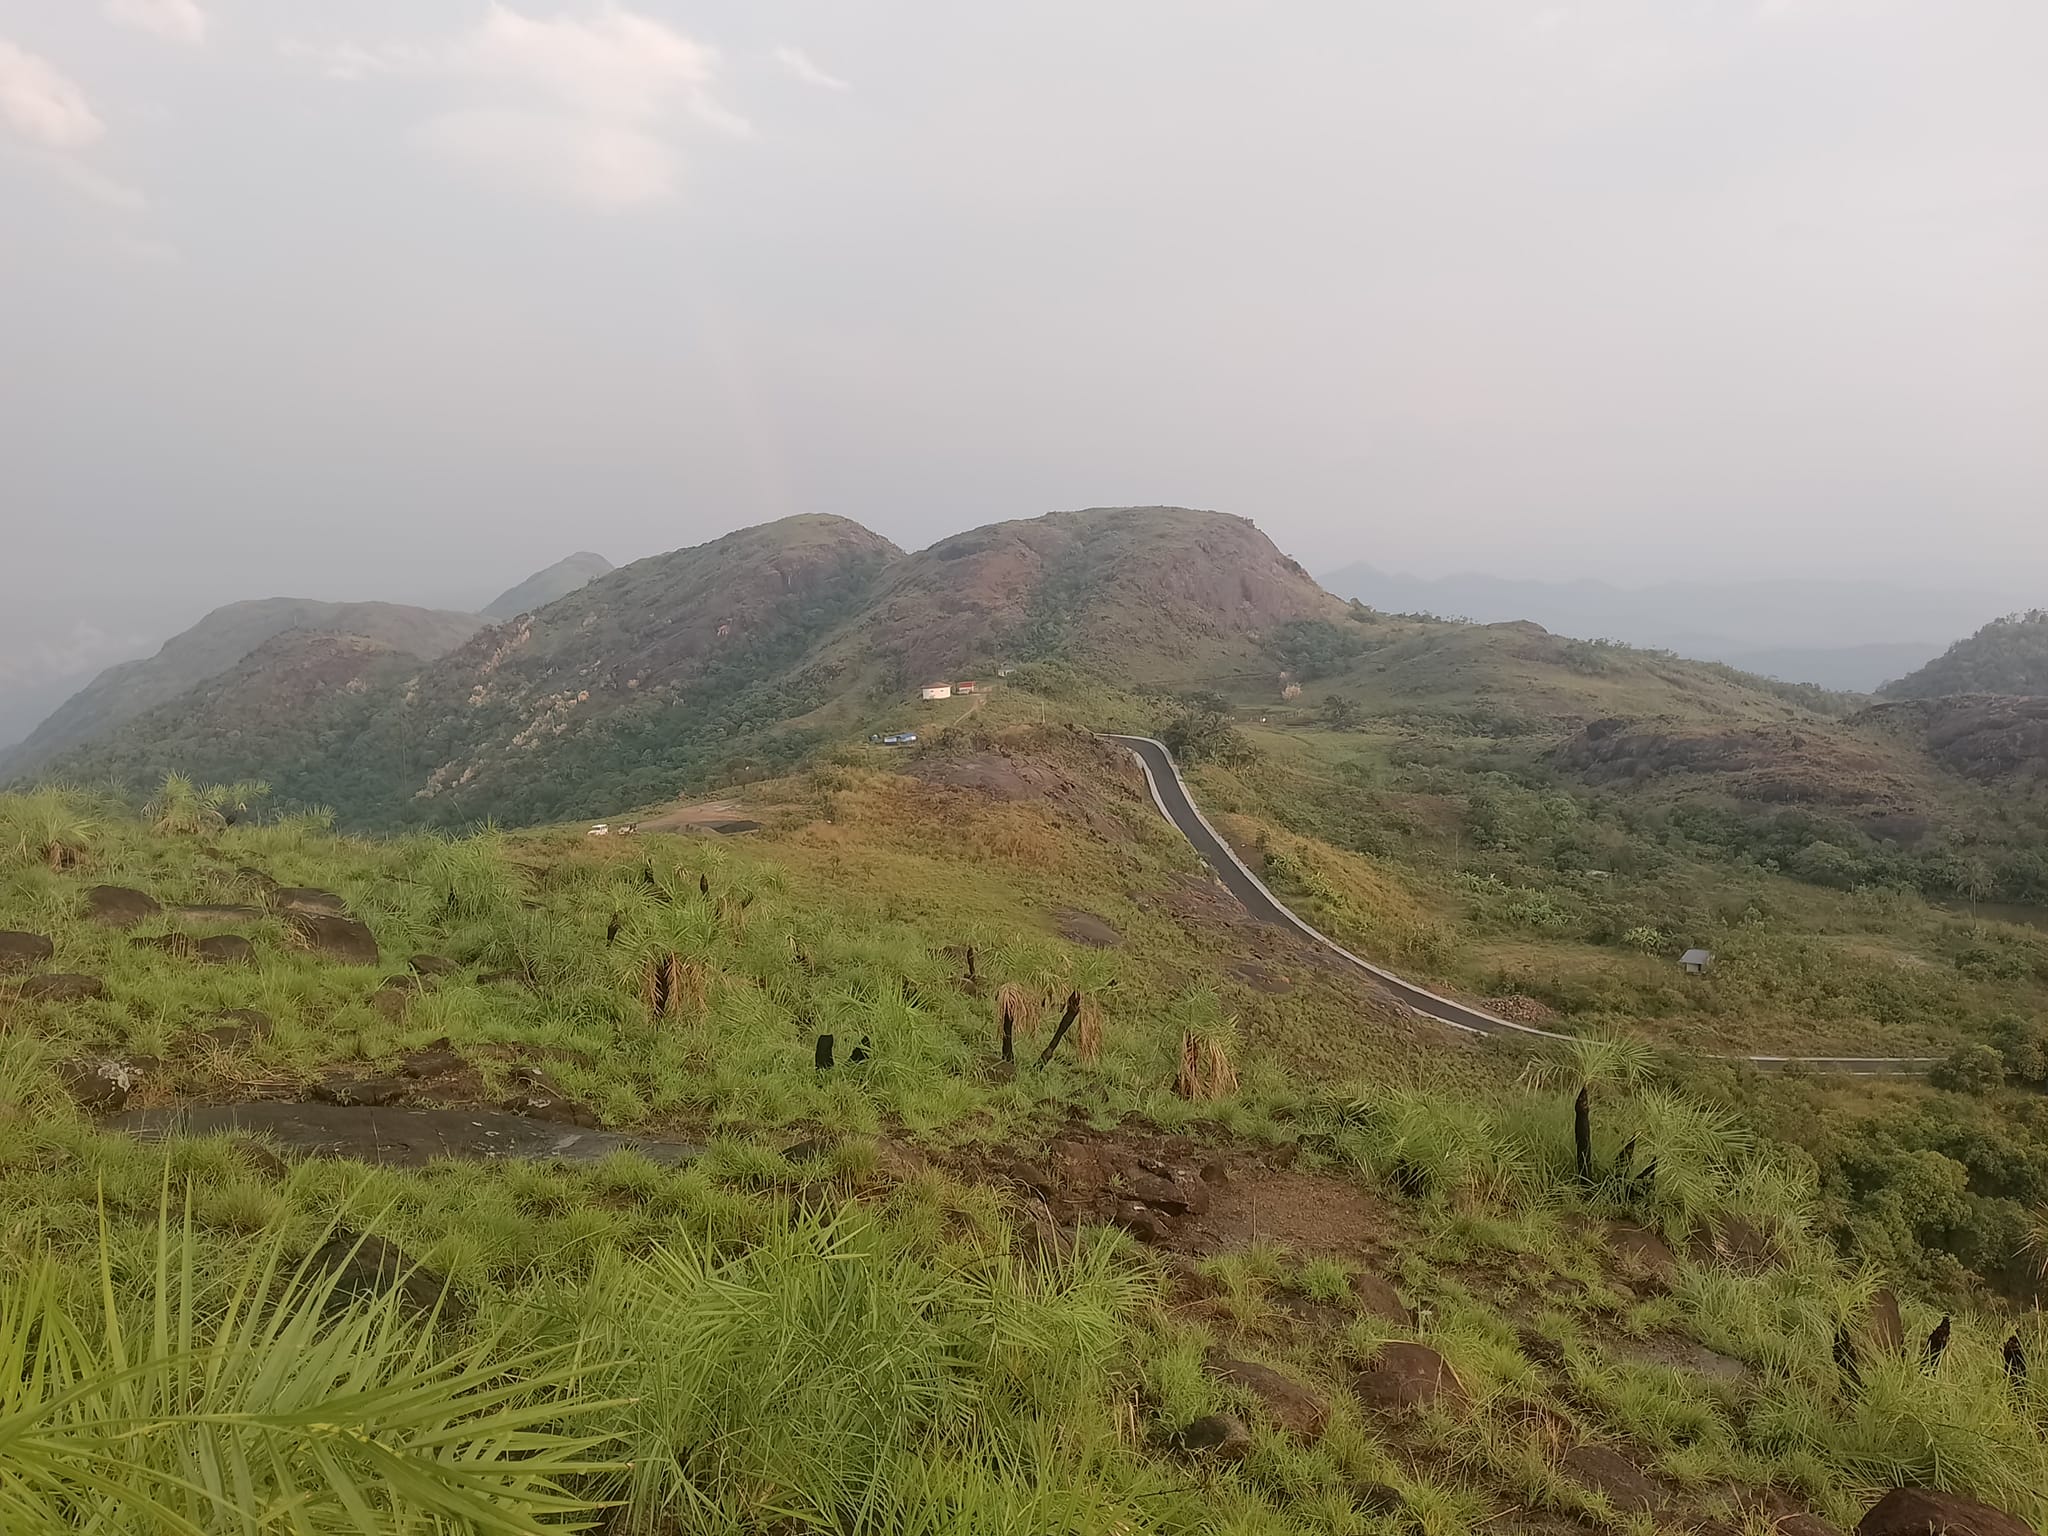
x: 403, y: 298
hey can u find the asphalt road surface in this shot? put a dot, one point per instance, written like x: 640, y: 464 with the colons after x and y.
x: 1178, y: 807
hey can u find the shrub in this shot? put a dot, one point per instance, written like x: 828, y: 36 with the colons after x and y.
x: 1972, y: 1069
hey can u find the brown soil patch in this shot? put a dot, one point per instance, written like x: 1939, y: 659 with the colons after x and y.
x: 1014, y: 777
x: 1184, y: 1196
x: 706, y: 816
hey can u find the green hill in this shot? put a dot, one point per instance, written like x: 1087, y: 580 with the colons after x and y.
x: 2008, y: 655
x: 212, y: 646
x: 1253, y: 1251
x: 1141, y: 595
x: 737, y: 657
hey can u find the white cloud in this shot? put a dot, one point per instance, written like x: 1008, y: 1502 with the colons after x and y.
x: 109, y: 191
x: 42, y: 104
x: 585, y: 108
x: 351, y: 61
x: 801, y: 65
x: 604, y: 164
x: 182, y: 21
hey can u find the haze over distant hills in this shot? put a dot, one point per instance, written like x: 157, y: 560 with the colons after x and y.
x: 725, y: 659
x: 59, y: 692
x: 1850, y: 635
x: 215, y: 644
x: 544, y: 586
x: 2007, y: 656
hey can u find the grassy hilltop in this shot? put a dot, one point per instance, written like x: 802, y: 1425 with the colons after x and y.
x: 922, y: 1290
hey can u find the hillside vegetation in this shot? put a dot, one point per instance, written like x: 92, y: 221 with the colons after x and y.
x: 734, y: 659
x: 212, y: 646
x: 1248, y: 1253
x: 2008, y: 655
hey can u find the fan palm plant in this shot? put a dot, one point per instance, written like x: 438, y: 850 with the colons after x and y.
x: 1087, y: 975
x: 45, y: 826
x: 1585, y: 1065
x: 667, y: 952
x: 267, y: 1399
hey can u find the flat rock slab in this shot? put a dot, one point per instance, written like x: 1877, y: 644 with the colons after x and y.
x: 1293, y: 1406
x: 1628, y: 1487
x: 1642, y: 1251
x: 1080, y: 927
x: 239, y: 1027
x: 224, y: 949
x: 215, y: 913
x: 338, y: 938
x: 63, y: 987
x: 1923, y: 1512
x: 364, y: 1267
x: 99, y: 1083
x: 1882, y: 1324
x: 406, y: 1138
x: 1376, y: 1296
x: 304, y: 898
x: 120, y: 906
x: 1216, y: 1435
x: 1408, y: 1376
x: 1682, y: 1354
x: 1735, y: 1243
x: 22, y: 951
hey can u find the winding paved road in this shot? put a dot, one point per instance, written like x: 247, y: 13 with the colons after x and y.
x: 1171, y: 795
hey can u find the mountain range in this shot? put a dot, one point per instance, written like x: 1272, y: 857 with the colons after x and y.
x: 740, y: 656
x: 1847, y: 635
x: 724, y: 659
x: 223, y: 638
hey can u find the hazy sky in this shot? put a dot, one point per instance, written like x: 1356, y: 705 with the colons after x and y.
x: 403, y: 298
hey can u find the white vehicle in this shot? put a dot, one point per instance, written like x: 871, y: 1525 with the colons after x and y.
x: 600, y: 830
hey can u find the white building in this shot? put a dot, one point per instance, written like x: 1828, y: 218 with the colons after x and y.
x: 935, y: 691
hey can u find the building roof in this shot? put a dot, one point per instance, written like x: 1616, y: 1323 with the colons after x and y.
x: 1696, y: 957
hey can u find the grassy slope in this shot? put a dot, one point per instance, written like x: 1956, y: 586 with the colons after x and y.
x: 1462, y: 825
x: 928, y: 1368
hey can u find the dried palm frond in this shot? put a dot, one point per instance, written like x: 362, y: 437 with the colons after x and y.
x: 1024, y: 1006
x: 1205, y: 1070
x: 1088, y: 1031
x: 687, y: 984
x: 669, y: 984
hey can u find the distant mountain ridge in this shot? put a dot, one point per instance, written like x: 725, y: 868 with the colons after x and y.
x: 544, y: 586
x: 738, y: 658
x: 219, y: 641
x: 725, y: 659
x: 216, y: 643
x: 2007, y: 656
x: 1846, y: 635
